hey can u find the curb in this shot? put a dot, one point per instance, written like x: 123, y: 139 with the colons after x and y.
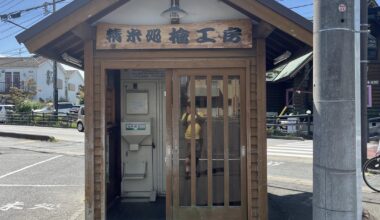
x: 27, y: 136
x: 287, y: 138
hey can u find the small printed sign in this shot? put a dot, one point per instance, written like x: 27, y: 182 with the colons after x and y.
x: 219, y: 34
x: 135, y: 127
x: 342, y: 7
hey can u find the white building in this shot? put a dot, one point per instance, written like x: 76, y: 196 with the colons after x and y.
x: 27, y: 72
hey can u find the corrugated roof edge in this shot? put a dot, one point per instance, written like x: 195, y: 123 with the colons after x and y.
x: 50, y: 20
x: 288, y: 13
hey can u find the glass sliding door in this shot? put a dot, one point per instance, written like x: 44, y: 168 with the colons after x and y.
x: 208, y: 157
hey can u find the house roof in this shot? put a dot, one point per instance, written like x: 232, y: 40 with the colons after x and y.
x: 65, y: 30
x: 289, y: 69
x: 16, y: 62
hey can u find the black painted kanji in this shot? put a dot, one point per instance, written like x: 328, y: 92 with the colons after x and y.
x: 114, y: 35
x: 134, y: 35
x: 153, y: 35
x: 204, y: 38
x: 180, y: 36
x: 232, y: 34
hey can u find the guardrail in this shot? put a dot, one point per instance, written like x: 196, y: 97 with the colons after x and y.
x: 299, y: 125
x: 42, y: 119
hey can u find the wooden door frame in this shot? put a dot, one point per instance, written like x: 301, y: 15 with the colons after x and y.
x: 169, y: 64
x: 229, y: 212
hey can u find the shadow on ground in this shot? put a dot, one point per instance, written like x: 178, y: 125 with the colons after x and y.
x: 294, y: 207
x: 138, y: 211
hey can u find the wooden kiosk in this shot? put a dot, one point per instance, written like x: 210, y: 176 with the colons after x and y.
x: 206, y: 76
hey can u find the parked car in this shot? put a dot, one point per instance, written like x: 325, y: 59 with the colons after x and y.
x: 46, y: 109
x: 4, y: 110
x: 74, y: 109
x: 80, y: 121
x: 63, y: 108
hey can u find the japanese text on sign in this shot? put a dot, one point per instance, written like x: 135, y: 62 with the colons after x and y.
x: 222, y: 34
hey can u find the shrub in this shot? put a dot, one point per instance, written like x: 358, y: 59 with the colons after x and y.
x: 27, y: 105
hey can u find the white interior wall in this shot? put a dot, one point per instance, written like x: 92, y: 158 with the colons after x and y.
x: 148, y: 12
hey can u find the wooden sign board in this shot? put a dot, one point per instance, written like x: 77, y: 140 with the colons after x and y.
x: 219, y: 34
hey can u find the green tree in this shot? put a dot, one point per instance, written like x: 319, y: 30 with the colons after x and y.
x: 22, y: 97
x: 80, y: 94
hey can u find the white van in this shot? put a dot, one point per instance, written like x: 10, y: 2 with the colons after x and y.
x: 4, y: 110
x: 80, y: 121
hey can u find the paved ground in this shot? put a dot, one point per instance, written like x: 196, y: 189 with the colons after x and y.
x: 45, y: 180
x: 63, y: 134
x: 290, y: 177
x: 41, y: 180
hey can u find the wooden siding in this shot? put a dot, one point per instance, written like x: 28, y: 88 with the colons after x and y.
x: 256, y: 150
x: 89, y: 131
x: 259, y: 165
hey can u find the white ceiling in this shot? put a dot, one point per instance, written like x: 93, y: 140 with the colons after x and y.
x: 148, y: 12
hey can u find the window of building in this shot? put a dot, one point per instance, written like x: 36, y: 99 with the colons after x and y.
x: 59, y: 84
x: 71, y: 87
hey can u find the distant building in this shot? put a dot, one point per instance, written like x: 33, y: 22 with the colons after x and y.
x: 36, y: 73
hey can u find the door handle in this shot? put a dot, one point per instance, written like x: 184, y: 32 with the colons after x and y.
x: 153, y: 145
x: 243, y: 151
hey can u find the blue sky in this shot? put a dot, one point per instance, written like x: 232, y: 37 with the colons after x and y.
x: 10, y: 47
x: 8, y: 44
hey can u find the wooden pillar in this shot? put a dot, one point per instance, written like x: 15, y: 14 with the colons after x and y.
x: 261, y: 128
x: 89, y: 130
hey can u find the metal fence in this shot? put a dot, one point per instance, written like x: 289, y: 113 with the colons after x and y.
x: 42, y: 119
x: 297, y: 125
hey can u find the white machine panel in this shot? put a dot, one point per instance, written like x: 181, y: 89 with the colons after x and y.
x: 137, y: 133
x: 136, y: 128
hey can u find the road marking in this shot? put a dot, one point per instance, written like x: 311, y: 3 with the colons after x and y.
x: 26, y: 142
x: 304, y: 182
x: 27, y: 167
x: 289, y: 155
x: 36, y: 185
x: 295, y: 149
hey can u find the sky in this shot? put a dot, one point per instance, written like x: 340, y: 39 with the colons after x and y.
x: 10, y: 47
x: 8, y: 44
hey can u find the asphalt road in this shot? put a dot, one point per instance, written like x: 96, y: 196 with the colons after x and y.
x: 45, y: 180
x: 63, y: 134
x: 290, y: 180
x: 41, y: 180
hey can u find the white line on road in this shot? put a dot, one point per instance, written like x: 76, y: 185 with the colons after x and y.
x: 27, y: 167
x: 290, y: 151
x: 26, y: 185
x: 289, y: 155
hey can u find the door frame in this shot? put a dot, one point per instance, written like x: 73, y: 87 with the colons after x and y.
x: 225, y: 212
x: 247, y: 61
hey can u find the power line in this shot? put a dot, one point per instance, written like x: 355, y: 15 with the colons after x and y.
x: 301, y: 6
x: 12, y: 6
x: 19, y: 31
x: 17, y: 14
x: 23, y: 22
x: 5, y: 3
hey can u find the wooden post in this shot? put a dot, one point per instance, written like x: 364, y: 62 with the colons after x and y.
x: 261, y: 128
x: 89, y: 131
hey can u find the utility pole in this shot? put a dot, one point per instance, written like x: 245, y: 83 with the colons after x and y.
x: 337, y: 122
x: 55, y: 78
x: 364, y: 77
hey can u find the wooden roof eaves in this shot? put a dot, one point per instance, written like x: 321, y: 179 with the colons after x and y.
x: 278, y: 16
